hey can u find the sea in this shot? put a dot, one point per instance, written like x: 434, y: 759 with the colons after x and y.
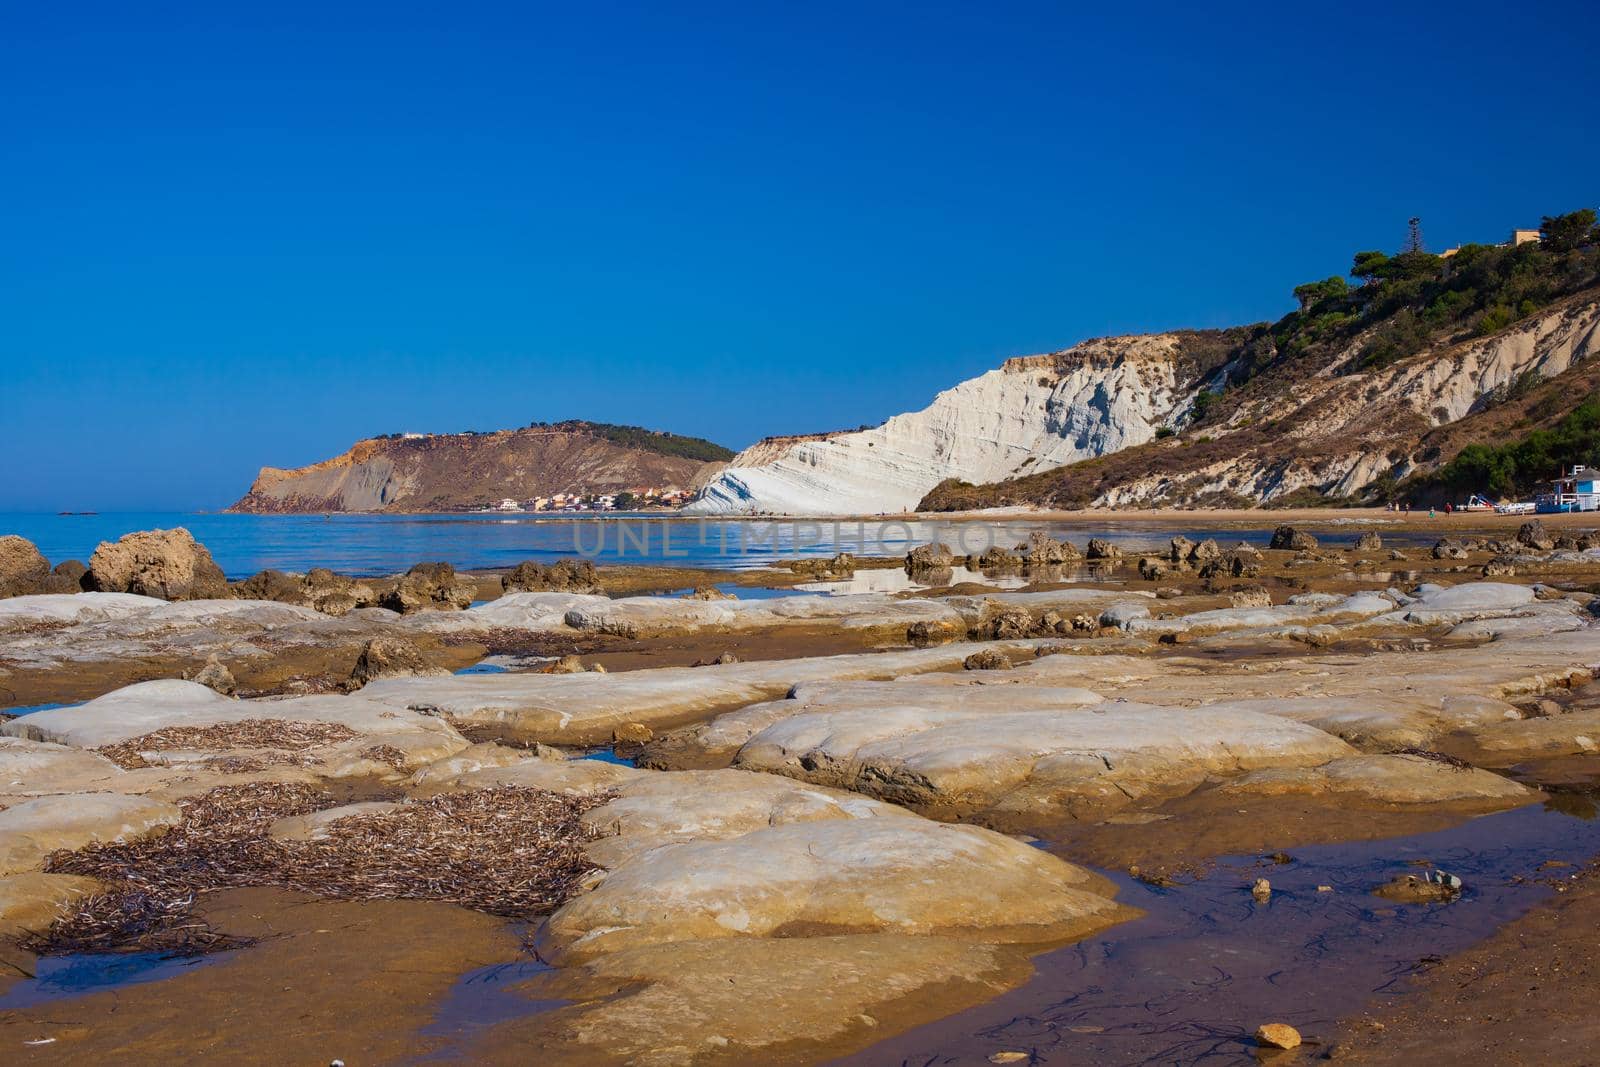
x: 371, y: 545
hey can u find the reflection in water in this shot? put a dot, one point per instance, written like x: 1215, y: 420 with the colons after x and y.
x: 57, y: 977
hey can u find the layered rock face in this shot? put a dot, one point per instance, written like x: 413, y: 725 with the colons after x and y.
x: 1032, y: 413
x: 440, y: 472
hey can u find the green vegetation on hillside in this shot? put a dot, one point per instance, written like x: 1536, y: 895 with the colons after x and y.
x: 1518, y: 468
x: 658, y: 441
x: 1407, y: 302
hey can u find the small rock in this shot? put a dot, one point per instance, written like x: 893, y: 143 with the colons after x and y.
x: 1410, y: 889
x: 1010, y: 625
x: 568, y: 664
x: 1009, y: 1056
x: 1288, y: 538
x: 1369, y: 541
x: 632, y: 733
x: 1262, y: 889
x: 986, y: 660
x: 1277, y: 1035
x: 215, y: 675
x: 1324, y: 888
x: 707, y: 592
x: 1251, y: 598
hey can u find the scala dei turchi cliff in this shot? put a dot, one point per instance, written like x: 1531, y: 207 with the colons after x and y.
x: 1031, y: 413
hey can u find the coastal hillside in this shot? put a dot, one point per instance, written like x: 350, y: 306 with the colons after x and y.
x: 1368, y: 392
x: 450, y: 472
x: 1371, y: 387
x: 1030, y: 413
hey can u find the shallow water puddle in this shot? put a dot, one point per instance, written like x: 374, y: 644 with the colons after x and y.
x: 31, y: 708
x: 481, y: 999
x: 58, y: 977
x: 1190, y: 981
x: 609, y: 755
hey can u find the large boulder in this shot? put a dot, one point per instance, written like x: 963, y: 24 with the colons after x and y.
x: 169, y: 564
x: 563, y: 576
x: 429, y: 587
x: 66, y: 577
x: 926, y: 558
x: 391, y: 656
x: 1100, y: 548
x: 1533, y: 535
x: 1041, y: 549
x: 23, y: 568
x: 1290, y: 539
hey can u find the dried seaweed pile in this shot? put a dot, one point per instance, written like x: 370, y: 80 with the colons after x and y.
x: 286, y: 735
x: 509, y: 851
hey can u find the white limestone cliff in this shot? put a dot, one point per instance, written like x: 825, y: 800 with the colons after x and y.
x: 1031, y: 413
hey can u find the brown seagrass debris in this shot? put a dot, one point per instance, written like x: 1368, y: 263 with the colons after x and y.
x: 510, y: 851
x: 287, y: 735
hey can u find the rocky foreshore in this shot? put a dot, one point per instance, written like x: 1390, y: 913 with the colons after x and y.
x: 819, y: 820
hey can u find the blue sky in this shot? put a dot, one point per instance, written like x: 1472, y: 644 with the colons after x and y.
x: 251, y: 236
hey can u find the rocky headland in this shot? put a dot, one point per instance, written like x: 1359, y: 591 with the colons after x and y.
x: 416, y: 472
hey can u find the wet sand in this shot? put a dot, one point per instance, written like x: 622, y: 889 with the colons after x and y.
x: 329, y: 980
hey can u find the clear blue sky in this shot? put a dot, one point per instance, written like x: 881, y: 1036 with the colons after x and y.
x: 240, y: 237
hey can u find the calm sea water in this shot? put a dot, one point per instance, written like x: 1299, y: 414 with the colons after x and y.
x: 386, y: 544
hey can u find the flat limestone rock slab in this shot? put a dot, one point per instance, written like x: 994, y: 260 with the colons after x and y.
x: 653, y: 616
x: 584, y: 709
x: 143, y: 708
x: 35, y: 768
x: 315, y: 825
x: 1298, y: 612
x: 686, y: 1002
x: 663, y: 808
x: 571, y: 776
x: 1391, y: 779
x: 719, y: 740
x: 539, y: 612
x: 32, y: 830
x: 897, y: 875
x: 73, y: 608
x: 1038, y: 760
x: 33, y: 900
x: 1576, y: 733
